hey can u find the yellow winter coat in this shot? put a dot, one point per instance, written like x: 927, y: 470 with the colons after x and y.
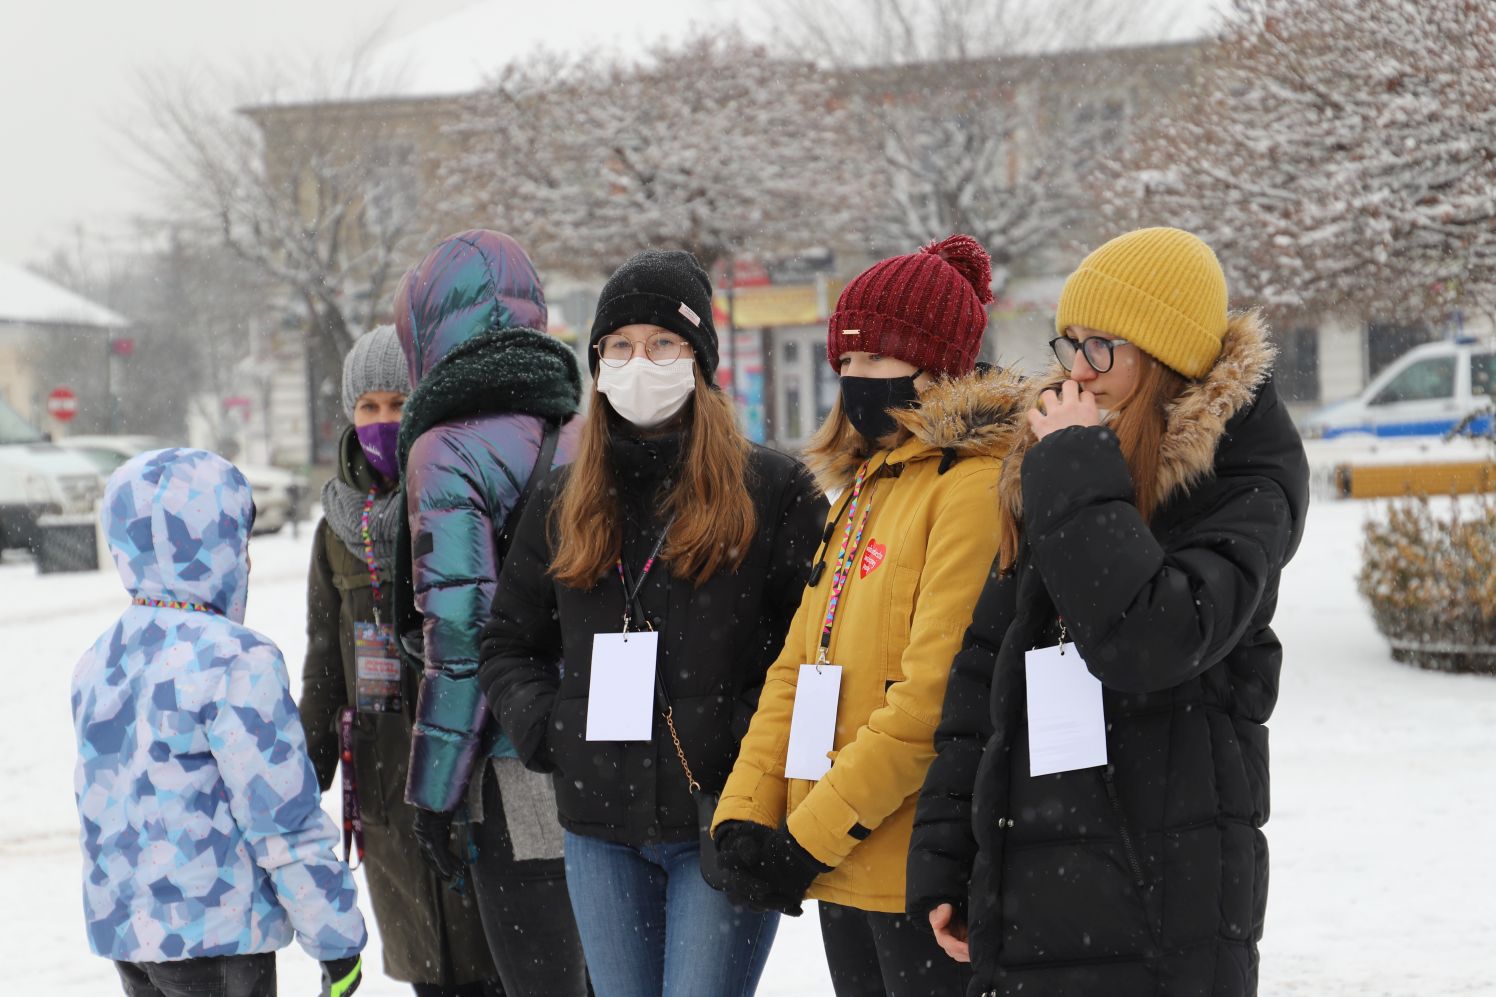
x: 924, y: 557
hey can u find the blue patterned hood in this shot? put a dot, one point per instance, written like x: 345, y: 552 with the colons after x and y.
x: 178, y: 526
x: 202, y: 828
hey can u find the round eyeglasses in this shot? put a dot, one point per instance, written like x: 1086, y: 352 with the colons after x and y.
x: 1098, y: 350
x: 662, y: 348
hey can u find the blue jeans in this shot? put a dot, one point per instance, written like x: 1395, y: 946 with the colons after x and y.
x: 652, y: 927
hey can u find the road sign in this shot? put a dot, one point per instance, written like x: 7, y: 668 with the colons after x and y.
x: 62, y: 404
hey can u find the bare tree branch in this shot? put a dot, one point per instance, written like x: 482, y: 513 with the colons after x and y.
x: 324, y: 200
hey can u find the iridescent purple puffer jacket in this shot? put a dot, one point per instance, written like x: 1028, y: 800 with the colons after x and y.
x: 486, y: 386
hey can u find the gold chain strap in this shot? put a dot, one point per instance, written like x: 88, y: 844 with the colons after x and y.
x: 679, y: 751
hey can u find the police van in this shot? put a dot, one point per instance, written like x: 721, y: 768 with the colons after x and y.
x: 1427, y: 391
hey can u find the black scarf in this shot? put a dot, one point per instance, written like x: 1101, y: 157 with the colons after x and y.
x: 644, y: 470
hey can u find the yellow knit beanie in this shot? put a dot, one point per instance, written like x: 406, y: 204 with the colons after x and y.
x: 1160, y: 289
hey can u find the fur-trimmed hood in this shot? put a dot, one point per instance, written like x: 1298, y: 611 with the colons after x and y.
x: 1196, y: 421
x: 978, y: 414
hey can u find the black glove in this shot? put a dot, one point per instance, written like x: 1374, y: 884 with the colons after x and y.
x: 433, y: 833
x: 341, y: 977
x: 766, y: 867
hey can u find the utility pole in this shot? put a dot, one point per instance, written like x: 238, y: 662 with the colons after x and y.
x: 732, y: 350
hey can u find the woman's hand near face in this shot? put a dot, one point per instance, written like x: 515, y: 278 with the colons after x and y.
x: 1069, y: 406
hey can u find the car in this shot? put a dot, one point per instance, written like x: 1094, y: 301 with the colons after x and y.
x: 277, y: 492
x: 42, y: 486
x: 1428, y: 391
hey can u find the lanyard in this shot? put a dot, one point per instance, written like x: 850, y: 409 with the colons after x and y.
x: 844, y: 557
x: 368, y: 538
x: 193, y: 607
x: 820, y: 565
x: 631, y: 589
x: 353, y: 817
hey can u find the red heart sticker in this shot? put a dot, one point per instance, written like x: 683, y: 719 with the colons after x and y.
x: 872, y: 556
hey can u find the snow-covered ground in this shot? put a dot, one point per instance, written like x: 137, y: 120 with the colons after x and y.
x: 1384, y: 793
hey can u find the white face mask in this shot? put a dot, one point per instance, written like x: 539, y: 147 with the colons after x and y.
x: 646, y: 393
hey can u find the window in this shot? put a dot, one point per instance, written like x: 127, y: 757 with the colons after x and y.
x: 804, y: 385
x: 107, y: 461
x: 1482, y: 375
x: 794, y: 394
x: 390, y: 183
x: 1426, y: 380
x: 1101, y: 126
x: 14, y: 429
x: 1386, y: 342
x: 1297, y: 369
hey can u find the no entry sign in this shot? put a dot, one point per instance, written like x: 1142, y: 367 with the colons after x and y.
x: 62, y: 404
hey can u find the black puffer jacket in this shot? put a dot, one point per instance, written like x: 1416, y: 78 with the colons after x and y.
x: 1147, y: 876
x: 716, y: 643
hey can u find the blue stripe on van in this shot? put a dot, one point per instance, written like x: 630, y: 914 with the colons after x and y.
x: 1435, y: 427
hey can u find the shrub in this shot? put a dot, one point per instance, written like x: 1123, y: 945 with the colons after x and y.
x: 1431, y: 581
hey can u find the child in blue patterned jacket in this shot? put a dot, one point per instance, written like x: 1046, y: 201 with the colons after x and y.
x: 205, y: 847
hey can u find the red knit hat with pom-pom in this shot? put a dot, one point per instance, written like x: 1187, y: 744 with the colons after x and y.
x: 925, y: 308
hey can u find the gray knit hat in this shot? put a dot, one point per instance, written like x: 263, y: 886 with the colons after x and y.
x: 376, y: 363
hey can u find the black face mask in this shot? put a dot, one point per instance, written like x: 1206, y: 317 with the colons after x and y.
x: 867, y: 401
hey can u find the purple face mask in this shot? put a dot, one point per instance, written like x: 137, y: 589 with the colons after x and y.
x: 378, y: 440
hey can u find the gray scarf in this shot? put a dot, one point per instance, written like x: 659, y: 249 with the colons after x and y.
x: 343, y: 505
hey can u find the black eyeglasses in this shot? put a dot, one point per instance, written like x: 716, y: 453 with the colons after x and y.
x: 1098, y: 351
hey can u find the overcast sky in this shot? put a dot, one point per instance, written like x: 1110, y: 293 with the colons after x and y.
x: 68, y: 91
x: 70, y: 71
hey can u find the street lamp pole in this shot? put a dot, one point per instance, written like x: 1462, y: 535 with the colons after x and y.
x: 732, y: 351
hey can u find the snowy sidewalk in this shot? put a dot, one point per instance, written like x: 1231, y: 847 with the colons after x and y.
x: 1383, y: 879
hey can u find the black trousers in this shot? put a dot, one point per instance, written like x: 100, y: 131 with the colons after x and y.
x: 526, y: 911
x: 887, y: 955
x: 487, y: 988
x: 218, y: 976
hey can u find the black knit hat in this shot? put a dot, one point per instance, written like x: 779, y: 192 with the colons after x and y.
x: 666, y: 288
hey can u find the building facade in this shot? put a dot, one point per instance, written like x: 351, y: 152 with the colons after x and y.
x: 774, y: 361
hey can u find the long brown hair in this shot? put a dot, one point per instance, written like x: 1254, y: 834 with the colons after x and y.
x: 1140, y: 422
x: 711, y: 512
x: 837, y: 448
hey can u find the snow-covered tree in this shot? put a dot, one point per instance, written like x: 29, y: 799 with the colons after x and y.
x: 960, y: 122
x: 711, y: 146
x: 1338, y: 154
x: 969, y: 153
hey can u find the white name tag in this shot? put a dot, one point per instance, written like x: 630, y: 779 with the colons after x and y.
x: 620, y: 696
x: 813, y: 724
x: 1067, y: 729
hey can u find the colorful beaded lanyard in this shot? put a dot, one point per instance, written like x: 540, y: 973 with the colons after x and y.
x: 368, y: 538
x: 191, y: 607
x: 849, y: 545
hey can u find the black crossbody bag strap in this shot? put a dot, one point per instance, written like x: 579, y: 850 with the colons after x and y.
x: 543, y: 460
